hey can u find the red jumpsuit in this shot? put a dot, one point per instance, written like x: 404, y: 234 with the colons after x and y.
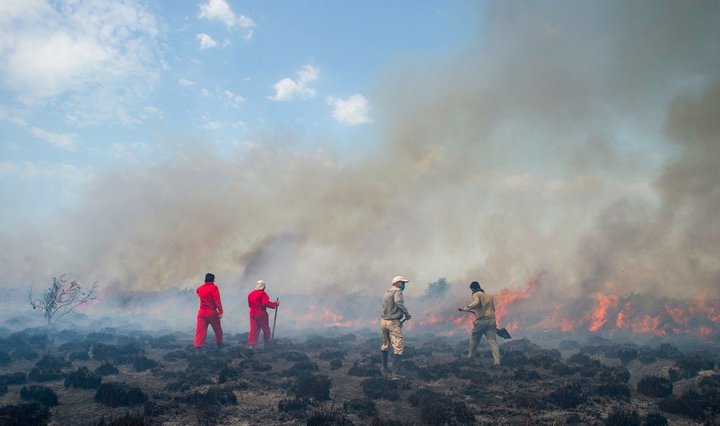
x: 209, y: 313
x: 258, y: 301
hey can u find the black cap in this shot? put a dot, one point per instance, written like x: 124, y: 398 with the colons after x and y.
x: 475, y: 286
x: 209, y: 278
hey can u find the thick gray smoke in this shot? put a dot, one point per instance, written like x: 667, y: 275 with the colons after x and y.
x: 578, y: 140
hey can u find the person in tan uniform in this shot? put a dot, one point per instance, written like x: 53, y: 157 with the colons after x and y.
x: 394, y: 313
x: 483, y: 307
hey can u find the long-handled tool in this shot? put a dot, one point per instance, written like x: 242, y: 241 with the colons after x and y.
x: 272, y: 334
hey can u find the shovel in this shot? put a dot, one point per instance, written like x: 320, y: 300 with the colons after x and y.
x: 272, y: 333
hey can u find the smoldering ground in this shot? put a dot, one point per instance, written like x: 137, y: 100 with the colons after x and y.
x: 575, y: 141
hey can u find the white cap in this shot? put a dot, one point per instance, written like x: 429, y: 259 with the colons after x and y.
x: 400, y: 279
x: 260, y: 285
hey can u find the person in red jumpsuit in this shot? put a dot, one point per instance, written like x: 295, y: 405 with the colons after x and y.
x: 258, y: 301
x: 210, y: 312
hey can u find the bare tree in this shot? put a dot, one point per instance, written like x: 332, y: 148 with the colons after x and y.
x: 61, y: 298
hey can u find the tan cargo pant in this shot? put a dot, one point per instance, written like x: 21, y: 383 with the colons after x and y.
x: 488, y: 329
x: 391, y: 332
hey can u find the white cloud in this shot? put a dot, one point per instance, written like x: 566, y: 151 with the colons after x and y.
x: 185, y: 82
x: 87, y: 49
x: 220, y: 10
x: 212, y: 125
x: 288, y: 89
x: 61, y: 140
x: 353, y: 110
x: 206, y: 41
x: 232, y: 99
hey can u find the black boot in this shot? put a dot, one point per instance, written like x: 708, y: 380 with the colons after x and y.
x: 397, y: 359
x: 385, y: 368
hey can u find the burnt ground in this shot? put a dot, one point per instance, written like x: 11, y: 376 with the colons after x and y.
x: 114, y: 377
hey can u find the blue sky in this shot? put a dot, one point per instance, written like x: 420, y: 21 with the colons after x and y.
x: 351, y: 141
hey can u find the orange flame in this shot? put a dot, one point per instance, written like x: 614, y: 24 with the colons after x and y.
x: 602, y: 304
x: 507, y: 297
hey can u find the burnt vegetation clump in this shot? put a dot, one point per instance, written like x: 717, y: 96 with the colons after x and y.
x: 439, y: 409
x: 381, y: 388
x: 143, y: 363
x: 212, y: 396
x: 363, y: 407
x: 83, y: 378
x: 116, y: 394
x: 623, y: 417
x: 13, y: 378
x: 364, y: 368
x: 655, y: 386
x: 41, y: 394
x: 26, y: 413
x: 311, y: 386
x: 690, y: 404
x: 568, y: 395
x: 106, y: 369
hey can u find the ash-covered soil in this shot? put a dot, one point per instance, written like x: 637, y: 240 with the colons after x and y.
x: 117, y: 377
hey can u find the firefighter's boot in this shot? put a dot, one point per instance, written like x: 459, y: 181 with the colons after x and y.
x: 473, y: 348
x: 397, y: 359
x: 385, y: 368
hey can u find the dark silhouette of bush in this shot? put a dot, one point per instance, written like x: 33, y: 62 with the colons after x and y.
x: 80, y: 355
x: 692, y: 364
x: 327, y: 416
x: 27, y: 354
x: 328, y: 355
x: 615, y: 374
x: 39, y: 375
x: 228, y: 373
x: 526, y: 375
x: 514, y: 359
x: 690, y: 404
x: 49, y: 362
x: 3, y: 388
x: 562, y: 369
x: 211, y: 396
x: 294, y: 356
x: 623, y: 417
x: 106, y: 369
x: 143, y: 363
x: 364, y: 368
x: 302, y: 367
x: 579, y: 359
x: 116, y: 394
x: 292, y: 405
x: 83, y: 379
x: 311, y: 386
x: 5, y: 358
x: 654, y: 386
x: 13, y: 379
x: 613, y: 390
x: 336, y: 364
x: 380, y: 388
x: 364, y: 407
x: 27, y: 413
x: 41, y: 394
x: 568, y: 395
x: 175, y: 356
x: 126, y: 420
x: 440, y: 409
x: 655, y: 419
x: 626, y: 354
x: 154, y: 408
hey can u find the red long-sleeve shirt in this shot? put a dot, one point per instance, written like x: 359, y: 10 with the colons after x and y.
x: 258, y: 301
x: 209, y: 298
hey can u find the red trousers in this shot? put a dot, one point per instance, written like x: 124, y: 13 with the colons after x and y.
x: 259, y: 322
x: 203, y: 319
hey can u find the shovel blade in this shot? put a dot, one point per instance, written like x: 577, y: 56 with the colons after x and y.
x: 502, y: 332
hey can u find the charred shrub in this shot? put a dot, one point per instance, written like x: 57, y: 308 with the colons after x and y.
x: 615, y: 374
x: 39, y: 375
x: 80, y: 355
x: 292, y: 405
x: 259, y: 366
x: 106, y: 369
x: 626, y: 354
x: 83, y: 379
x: 439, y: 409
x: 211, y: 396
x: 5, y: 358
x: 364, y: 407
x: 328, y: 355
x: 569, y: 345
x: 690, y: 404
x: 336, y: 364
x: 153, y: 407
x: 562, y: 369
x: 364, y: 368
x: 655, y: 419
x: 302, y: 367
x: 115, y: 394
x: 3, y: 388
x: 692, y: 364
x: 49, y: 362
x: 613, y: 390
x: 580, y: 359
x: 514, y: 359
x: 311, y: 386
x: 623, y: 417
x: 175, y: 356
x: 143, y: 363
x: 654, y: 386
x: 28, y: 413
x: 568, y: 395
x: 25, y: 353
x: 380, y: 388
x: 13, y: 379
x: 99, y: 337
x: 327, y: 416
x: 294, y: 356
x: 228, y: 373
x: 41, y: 394
x: 526, y: 375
